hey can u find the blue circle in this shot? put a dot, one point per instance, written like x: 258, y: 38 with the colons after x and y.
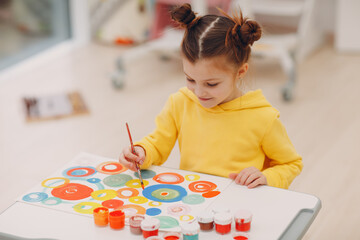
x: 93, y: 180
x: 78, y: 172
x: 147, y: 192
x: 153, y: 211
x: 35, y: 197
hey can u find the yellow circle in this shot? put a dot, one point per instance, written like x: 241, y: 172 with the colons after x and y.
x: 135, y: 183
x: 138, y: 199
x: 186, y: 218
x: 109, y: 194
x: 80, y: 207
x: 192, y: 177
x: 155, y: 204
x: 66, y: 181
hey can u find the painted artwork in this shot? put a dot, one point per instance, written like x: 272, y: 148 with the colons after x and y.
x: 171, y: 195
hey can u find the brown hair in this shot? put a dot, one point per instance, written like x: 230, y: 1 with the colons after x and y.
x: 211, y: 35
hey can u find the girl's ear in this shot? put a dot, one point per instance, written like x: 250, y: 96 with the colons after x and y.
x: 242, y: 71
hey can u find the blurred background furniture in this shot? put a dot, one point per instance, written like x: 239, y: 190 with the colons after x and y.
x: 286, y: 39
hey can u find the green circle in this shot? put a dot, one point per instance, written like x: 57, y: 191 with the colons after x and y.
x: 117, y: 180
x: 167, y: 222
x: 172, y: 194
x: 146, y: 174
x: 193, y: 199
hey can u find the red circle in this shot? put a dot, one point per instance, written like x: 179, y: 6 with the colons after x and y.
x: 118, y: 167
x: 90, y: 171
x: 72, y: 191
x: 112, y: 203
x: 202, y: 186
x: 158, y: 178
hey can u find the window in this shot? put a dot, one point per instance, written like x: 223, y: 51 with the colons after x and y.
x: 28, y: 27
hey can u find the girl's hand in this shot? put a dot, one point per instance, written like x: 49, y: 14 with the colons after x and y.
x: 128, y: 159
x: 250, y: 177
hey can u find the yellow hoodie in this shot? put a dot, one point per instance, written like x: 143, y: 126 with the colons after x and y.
x: 224, y: 139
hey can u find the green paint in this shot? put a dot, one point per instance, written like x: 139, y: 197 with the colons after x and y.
x: 167, y: 222
x: 117, y: 180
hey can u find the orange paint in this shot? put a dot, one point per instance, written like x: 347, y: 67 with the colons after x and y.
x: 171, y: 238
x: 117, y: 219
x: 211, y: 194
x: 101, y: 215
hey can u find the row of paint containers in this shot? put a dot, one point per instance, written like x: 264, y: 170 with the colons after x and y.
x: 220, y: 220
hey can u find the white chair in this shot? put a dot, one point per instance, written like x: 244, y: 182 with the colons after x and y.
x: 288, y: 48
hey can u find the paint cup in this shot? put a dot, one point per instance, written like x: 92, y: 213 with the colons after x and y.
x: 223, y: 222
x: 135, y: 224
x: 150, y: 227
x: 240, y: 236
x: 101, y: 216
x: 171, y: 236
x: 117, y: 219
x: 190, y: 231
x: 154, y: 238
x: 206, y: 220
x: 242, y: 220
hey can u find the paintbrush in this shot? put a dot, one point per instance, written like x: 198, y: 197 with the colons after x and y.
x: 133, y: 151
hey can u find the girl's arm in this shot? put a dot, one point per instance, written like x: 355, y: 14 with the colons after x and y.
x: 284, y: 163
x: 160, y: 142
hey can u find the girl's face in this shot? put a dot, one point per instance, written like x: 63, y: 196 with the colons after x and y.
x: 213, y: 80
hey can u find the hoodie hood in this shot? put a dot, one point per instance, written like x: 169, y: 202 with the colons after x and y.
x: 250, y: 100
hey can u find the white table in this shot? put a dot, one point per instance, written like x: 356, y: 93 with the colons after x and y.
x: 277, y: 214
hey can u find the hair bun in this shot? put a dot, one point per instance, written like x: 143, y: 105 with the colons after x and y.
x: 250, y: 32
x: 184, y: 15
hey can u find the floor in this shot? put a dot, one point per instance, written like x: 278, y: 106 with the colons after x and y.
x: 323, y: 122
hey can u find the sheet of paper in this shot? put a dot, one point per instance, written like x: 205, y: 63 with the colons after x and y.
x: 90, y: 181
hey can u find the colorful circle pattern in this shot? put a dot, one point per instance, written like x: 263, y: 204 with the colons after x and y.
x: 164, y: 193
x: 169, y: 178
x: 202, y: 186
x: 111, y: 168
x: 79, y: 171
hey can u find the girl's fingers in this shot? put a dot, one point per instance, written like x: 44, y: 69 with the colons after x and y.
x: 252, y: 177
x: 255, y: 183
x: 126, y: 163
x: 233, y: 176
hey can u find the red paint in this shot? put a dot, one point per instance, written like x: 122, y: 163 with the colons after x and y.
x: 240, y: 238
x: 112, y: 203
x: 101, y: 215
x: 72, y: 191
x: 150, y: 233
x: 241, y: 226
x: 202, y: 186
x: 223, y: 229
x: 117, y: 219
x: 171, y: 238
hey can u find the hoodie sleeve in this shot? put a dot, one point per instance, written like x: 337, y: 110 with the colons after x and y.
x: 160, y: 142
x: 284, y: 162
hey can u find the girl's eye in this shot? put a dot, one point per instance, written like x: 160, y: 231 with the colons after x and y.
x: 212, y: 85
x: 190, y: 80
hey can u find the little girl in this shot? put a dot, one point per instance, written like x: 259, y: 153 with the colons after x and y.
x: 221, y: 130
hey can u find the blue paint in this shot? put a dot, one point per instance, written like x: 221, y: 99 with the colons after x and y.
x: 153, y: 211
x: 35, y: 197
x: 93, y: 180
x: 191, y: 237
